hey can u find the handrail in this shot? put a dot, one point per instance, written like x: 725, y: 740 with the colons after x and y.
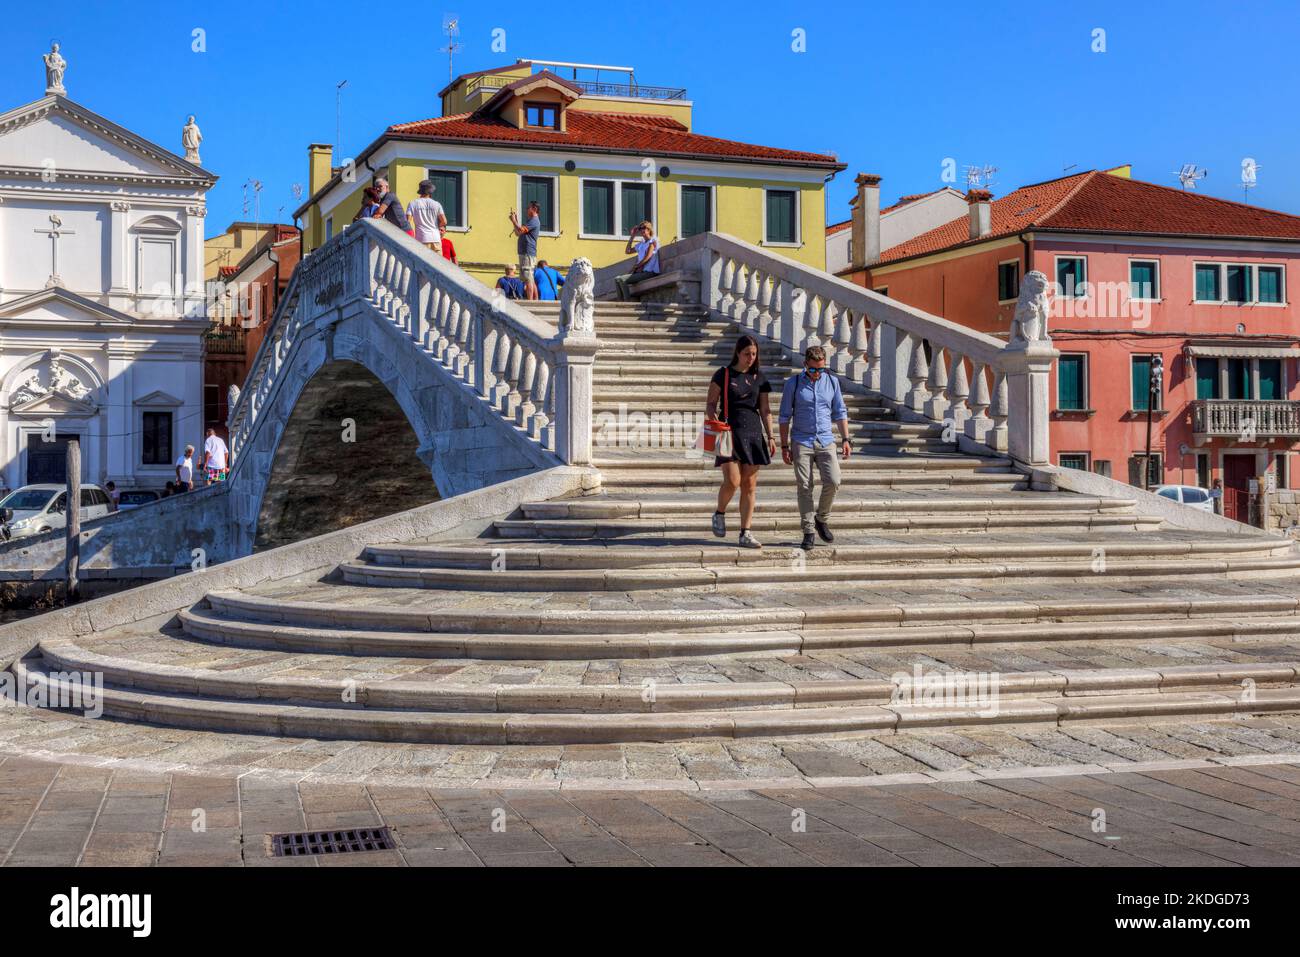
x: 989, y: 394
x: 535, y: 377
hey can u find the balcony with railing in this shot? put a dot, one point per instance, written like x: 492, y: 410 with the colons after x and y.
x: 1246, y: 419
x: 488, y: 84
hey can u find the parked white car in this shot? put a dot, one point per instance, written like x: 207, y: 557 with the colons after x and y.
x: 1187, y: 495
x: 34, y: 509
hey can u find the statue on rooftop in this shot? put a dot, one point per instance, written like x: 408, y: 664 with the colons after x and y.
x: 190, y: 139
x: 54, y: 67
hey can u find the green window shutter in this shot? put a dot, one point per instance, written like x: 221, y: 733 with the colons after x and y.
x: 780, y: 216
x: 1238, y: 379
x: 1069, y: 390
x: 446, y: 190
x: 598, y: 207
x: 1207, y: 378
x: 636, y: 205
x: 540, y: 189
x: 1207, y: 283
x: 1142, y: 281
x: 1070, y: 276
x: 696, y: 210
x: 1270, y: 378
x: 1141, y: 382
x: 1239, y: 283
x: 1008, y: 281
x: 1270, y: 284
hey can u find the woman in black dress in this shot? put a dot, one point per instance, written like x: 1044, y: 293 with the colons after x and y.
x: 749, y: 414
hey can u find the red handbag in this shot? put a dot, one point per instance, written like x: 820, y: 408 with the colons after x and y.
x: 715, y: 434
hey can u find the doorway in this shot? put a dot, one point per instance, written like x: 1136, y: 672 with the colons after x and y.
x: 47, y: 462
x: 1238, y: 470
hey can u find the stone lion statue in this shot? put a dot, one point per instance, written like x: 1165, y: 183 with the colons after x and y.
x: 578, y: 300
x: 232, y: 400
x: 1029, y: 324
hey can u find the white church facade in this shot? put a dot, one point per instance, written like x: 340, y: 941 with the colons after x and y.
x: 101, y: 295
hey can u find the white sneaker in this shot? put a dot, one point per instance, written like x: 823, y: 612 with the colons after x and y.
x: 747, y: 540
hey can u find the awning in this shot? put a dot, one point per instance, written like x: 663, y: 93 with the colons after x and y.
x: 1244, y: 352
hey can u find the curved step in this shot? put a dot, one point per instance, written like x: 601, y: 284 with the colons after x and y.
x: 214, y: 626
x: 481, y: 553
x: 497, y: 728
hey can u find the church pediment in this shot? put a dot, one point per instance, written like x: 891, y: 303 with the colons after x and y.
x: 54, y: 405
x: 159, y: 398
x: 84, y: 145
x: 58, y: 306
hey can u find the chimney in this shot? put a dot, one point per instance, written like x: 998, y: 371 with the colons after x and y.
x: 320, y: 170
x: 981, y: 212
x: 866, y: 221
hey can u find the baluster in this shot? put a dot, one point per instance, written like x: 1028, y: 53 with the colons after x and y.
x: 750, y: 314
x: 739, y: 283
x: 918, y: 369
x: 958, y: 389
x: 997, y: 436
x: 826, y: 329
x: 488, y: 358
x: 859, y: 347
x: 501, y: 369
x: 527, y: 380
x: 513, y: 370
x: 464, y: 324
x: 843, y: 339
x: 377, y: 277
x: 874, y: 356
x: 725, y: 282
x: 764, y: 319
x: 936, y: 406
x: 978, y: 425
x: 539, y: 427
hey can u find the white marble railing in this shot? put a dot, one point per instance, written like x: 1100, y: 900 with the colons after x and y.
x: 1246, y: 418
x: 988, y: 393
x: 537, y: 379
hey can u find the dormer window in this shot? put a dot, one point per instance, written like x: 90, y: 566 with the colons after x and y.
x: 542, y: 115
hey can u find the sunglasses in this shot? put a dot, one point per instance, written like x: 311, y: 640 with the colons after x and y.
x: 814, y: 370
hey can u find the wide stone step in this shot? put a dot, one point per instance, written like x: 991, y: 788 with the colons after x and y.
x: 898, y: 478
x: 788, y: 525
x: 1198, y: 623
x: 797, y: 575
x: 385, y: 724
x: 491, y: 555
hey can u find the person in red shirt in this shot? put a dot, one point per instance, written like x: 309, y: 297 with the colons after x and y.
x: 448, y: 250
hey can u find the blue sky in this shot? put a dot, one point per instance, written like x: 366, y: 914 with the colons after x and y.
x: 892, y: 88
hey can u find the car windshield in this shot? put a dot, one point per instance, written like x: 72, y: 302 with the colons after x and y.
x: 138, y: 498
x: 26, y: 499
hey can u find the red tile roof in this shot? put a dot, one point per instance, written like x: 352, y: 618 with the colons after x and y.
x: 1101, y: 203
x: 616, y: 132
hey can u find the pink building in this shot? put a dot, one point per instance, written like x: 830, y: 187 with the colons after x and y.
x: 1141, y: 271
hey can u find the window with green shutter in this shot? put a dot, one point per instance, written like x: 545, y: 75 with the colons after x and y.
x: 1008, y: 281
x: 1207, y: 282
x: 781, y: 216
x: 697, y: 210
x: 1143, y: 279
x: 1142, y: 383
x: 1270, y: 284
x: 1072, y: 276
x: 598, y: 207
x: 1071, y: 385
x: 1074, y: 460
x: 1270, y: 379
x: 447, y: 191
x: 1239, y: 283
x: 1207, y: 378
x: 540, y: 189
x: 636, y: 205
x: 1238, y: 379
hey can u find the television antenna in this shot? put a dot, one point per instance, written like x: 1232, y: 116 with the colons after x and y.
x: 1248, y: 182
x: 451, y: 27
x: 338, y: 115
x: 256, y: 185
x: 979, y: 177
x: 1189, y: 174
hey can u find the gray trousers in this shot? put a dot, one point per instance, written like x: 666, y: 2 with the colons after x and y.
x: 827, y: 459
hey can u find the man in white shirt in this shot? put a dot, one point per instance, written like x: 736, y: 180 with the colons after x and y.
x: 427, y: 218
x: 185, y: 470
x: 216, y: 457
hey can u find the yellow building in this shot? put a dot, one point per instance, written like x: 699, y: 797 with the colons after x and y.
x: 231, y: 246
x: 598, y: 155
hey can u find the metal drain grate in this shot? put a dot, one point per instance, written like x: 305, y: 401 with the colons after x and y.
x: 348, y: 841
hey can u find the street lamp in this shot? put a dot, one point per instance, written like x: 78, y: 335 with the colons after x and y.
x: 1154, y: 394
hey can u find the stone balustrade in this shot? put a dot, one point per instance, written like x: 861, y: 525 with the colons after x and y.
x: 535, y: 378
x: 1244, y: 419
x: 990, y: 394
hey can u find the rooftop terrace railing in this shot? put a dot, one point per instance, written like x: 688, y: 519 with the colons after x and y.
x: 490, y: 83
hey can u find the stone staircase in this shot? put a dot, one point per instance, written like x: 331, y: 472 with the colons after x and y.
x: 616, y: 617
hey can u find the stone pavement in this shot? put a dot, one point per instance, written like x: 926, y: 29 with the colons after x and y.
x: 59, y: 814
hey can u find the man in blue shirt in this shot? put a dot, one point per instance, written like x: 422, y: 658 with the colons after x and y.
x: 548, y: 281
x: 511, y: 285
x: 526, y: 245
x: 810, y: 402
